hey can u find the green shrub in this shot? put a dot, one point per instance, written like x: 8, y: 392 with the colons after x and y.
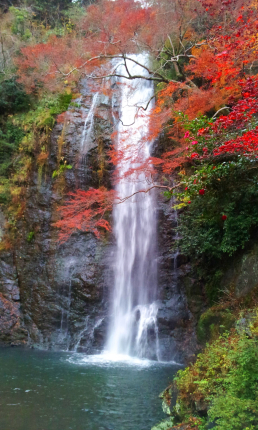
x: 43, y: 113
x: 13, y: 98
x: 212, y: 323
x: 50, y: 11
x: 10, y: 137
x: 60, y: 104
x: 61, y: 170
x: 30, y: 236
x: 222, y: 386
x: 235, y: 407
x: 22, y: 17
x: 230, y: 190
x: 232, y: 413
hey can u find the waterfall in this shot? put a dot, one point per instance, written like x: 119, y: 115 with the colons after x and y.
x: 88, y: 125
x: 64, y: 336
x: 133, y: 329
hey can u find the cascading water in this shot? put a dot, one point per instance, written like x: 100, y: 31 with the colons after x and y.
x: 133, y: 329
x: 64, y: 336
x: 88, y: 125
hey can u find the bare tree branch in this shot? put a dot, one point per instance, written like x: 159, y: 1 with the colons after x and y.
x: 154, y: 75
x: 170, y: 189
x: 138, y: 108
x: 225, y: 107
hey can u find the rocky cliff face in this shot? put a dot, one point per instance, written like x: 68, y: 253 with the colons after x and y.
x: 57, y: 296
x: 176, y: 319
x: 12, y: 328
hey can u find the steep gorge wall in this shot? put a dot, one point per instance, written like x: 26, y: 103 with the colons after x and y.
x: 57, y: 296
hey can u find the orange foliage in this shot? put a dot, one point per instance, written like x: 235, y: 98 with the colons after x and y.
x: 217, y: 64
x: 46, y: 63
x: 42, y: 158
x: 63, y: 117
x: 200, y: 101
x: 110, y: 29
x: 119, y: 26
x: 85, y: 211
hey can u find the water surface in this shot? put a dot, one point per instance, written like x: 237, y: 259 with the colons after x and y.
x: 42, y: 390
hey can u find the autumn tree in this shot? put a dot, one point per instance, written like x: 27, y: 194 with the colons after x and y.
x: 85, y: 210
x: 114, y: 30
x: 201, y: 55
x: 218, y: 70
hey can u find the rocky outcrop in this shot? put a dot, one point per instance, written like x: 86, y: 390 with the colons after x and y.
x: 242, y: 274
x: 12, y: 330
x: 176, y: 316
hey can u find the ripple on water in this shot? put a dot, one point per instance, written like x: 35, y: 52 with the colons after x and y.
x: 71, y: 391
x: 114, y: 360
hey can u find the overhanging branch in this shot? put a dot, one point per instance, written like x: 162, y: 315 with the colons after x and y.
x: 170, y: 189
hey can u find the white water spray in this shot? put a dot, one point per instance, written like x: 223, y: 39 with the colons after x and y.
x: 133, y: 329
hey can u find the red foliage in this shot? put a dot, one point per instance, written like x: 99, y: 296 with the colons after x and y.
x: 239, y: 118
x: 118, y: 26
x: 243, y: 110
x: 220, y: 62
x: 110, y: 29
x: 246, y: 144
x: 231, y: 48
x: 200, y: 101
x: 170, y: 160
x: 65, y: 116
x: 44, y: 63
x: 85, y: 211
x: 224, y: 49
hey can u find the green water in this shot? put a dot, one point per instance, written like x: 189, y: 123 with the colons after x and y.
x: 59, y: 391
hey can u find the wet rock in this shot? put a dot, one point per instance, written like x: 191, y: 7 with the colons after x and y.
x: 181, y: 259
x: 11, y: 329
x: 100, y: 334
x: 247, y: 278
x: 172, y: 313
x: 242, y: 273
x: 176, y: 321
x: 244, y: 325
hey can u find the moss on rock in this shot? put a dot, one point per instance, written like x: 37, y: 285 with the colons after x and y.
x: 212, y: 323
